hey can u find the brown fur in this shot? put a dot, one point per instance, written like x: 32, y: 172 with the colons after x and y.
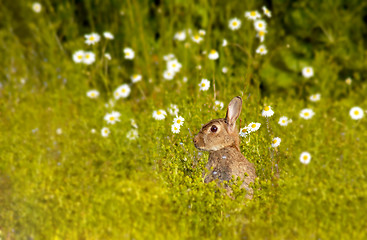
x: 225, y: 157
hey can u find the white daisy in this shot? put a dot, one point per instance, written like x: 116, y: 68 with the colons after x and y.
x: 267, y: 112
x: 260, y: 25
x: 108, y: 56
x: 175, y: 128
x: 129, y: 53
x: 218, y: 105
x: 169, y: 57
x: 78, y: 56
x: 315, y: 97
x: 133, y: 123
x: 174, y: 65
x: 266, y: 11
x: 244, y: 131
x: 112, y: 118
x: 204, y: 84
x: 108, y: 35
x: 196, y: 38
x: 92, y: 94
x: 252, y: 15
x: 307, y: 72
x: 111, y: 103
x: 37, y: 7
x: 348, y: 81
x: 261, y: 35
x: 234, y: 24
x: 89, y: 58
x: 202, y: 32
x: 105, y: 132
x: 261, y: 50
x: 180, y: 36
x: 122, y: 91
x: 224, y: 70
x: 93, y: 131
x: 59, y: 131
x: 253, y: 127
x: 356, y: 113
x: 305, y: 158
x: 173, y: 110
x: 159, y: 114
x: 92, y: 38
x: 275, y: 142
x: 184, y: 79
x: 283, y: 121
x: 178, y: 120
x: 224, y: 43
x: 132, y: 134
x: 136, y: 78
x: 168, y: 75
x: 306, y: 113
x: 213, y: 55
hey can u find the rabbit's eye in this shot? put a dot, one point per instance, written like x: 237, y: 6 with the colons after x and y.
x: 213, y: 128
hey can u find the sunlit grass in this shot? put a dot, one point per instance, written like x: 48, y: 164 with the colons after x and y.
x: 61, y: 179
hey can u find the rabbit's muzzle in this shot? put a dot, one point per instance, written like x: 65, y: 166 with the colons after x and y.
x: 198, y: 142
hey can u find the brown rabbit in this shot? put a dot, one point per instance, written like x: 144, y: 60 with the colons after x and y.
x: 220, y: 137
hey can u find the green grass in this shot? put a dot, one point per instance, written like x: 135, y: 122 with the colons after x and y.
x: 80, y: 185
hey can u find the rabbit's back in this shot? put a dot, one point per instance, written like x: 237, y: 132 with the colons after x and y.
x: 228, y: 162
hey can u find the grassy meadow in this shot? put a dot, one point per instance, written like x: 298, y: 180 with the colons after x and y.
x: 63, y: 176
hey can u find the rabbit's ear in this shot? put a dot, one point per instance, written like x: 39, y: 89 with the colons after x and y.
x: 233, y: 112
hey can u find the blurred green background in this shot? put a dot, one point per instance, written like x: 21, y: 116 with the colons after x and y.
x: 79, y: 185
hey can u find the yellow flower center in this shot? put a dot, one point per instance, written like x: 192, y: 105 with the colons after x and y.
x: 283, y: 121
x: 307, y: 114
x: 261, y: 33
x: 261, y: 49
x: 260, y: 25
x: 305, y: 157
x: 178, y: 121
x: 253, y: 13
x: 123, y: 90
x: 112, y: 118
x: 308, y: 70
x: 135, y: 76
x: 80, y: 57
x: 267, y: 108
x: 203, y: 84
x: 234, y: 23
x: 92, y: 94
x: 243, y: 130
x: 174, y: 65
x: 159, y: 113
x: 91, y: 38
x: 87, y: 56
x: 253, y: 125
x: 213, y: 52
x: 274, y: 141
x: 356, y: 112
x: 196, y: 37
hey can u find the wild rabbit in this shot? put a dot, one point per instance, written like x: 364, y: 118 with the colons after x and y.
x: 220, y: 137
